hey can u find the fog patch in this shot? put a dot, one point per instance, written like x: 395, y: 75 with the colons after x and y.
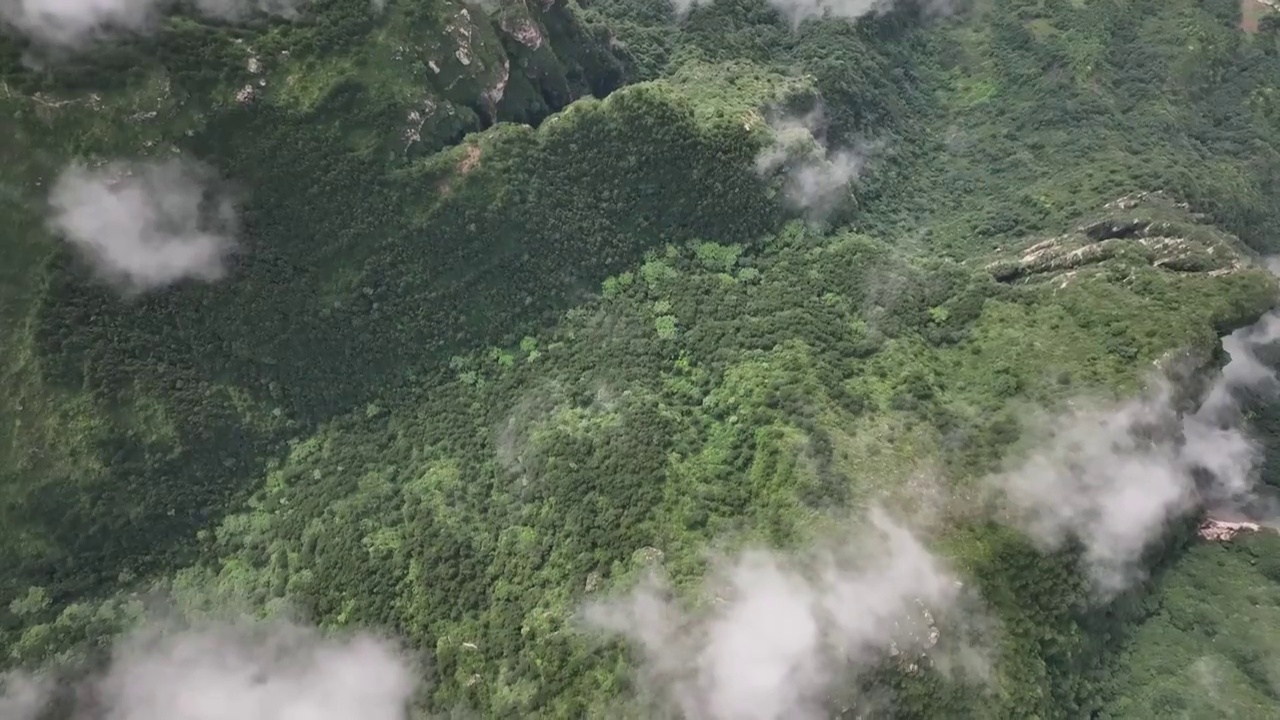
x: 244, y: 671
x: 1113, y: 477
x: 236, y: 10
x: 22, y: 696
x: 70, y: 25
x: 798, y: 11
x: 816, y: 177
x: 777, y: 634
x: 1246, y: 371
x: 143, y: 226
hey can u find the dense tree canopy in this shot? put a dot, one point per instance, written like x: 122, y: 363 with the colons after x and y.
x: 500, y: 335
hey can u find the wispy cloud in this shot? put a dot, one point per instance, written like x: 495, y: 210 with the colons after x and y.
x: 144, y: 226
x: 779, y: 631
x: 817, y: 178
x: 22, y: 696
x: 1245, y: 371
x: 250, y: 671
x: 71, y: 24
x: 1113, y: 477
x: 797, y: 11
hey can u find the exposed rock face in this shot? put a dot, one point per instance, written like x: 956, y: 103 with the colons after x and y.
x: 493, y: 94
x: 649, y: 555
x: 461, y: 30
x: 1180, y: 246
x: 413, y: 130
x: 919, y: 636
x: 1108, y: 229
x: 1129, y: 202
x: 524, y: 30
x: 1224, y: 530
x: 470, y: 60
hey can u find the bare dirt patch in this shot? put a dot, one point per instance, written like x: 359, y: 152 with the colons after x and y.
x: 470, y: 160
x: 1251, y: 13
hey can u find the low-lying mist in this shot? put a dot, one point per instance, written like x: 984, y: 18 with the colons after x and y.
x: 72, y: 25
x: 776, y: 632
x: 145, y: 225
x: 249, y: 670
x: 817, y: 177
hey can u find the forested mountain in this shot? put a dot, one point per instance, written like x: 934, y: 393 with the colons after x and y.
x: 737, y: 360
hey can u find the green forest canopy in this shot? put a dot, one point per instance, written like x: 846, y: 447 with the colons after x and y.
x: 474, y: 361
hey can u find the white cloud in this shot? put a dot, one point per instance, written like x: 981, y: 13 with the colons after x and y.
x: 797, y: 11
x: 1102, y: 476
x: 1244, y: 370
x: 70, y: 24
x: 817, y: 178
x: 242, y: 672
x: 144, y: 226
x: 240, y: 9
x: 782, y: 631
x: 1113, y: 477
x: 21, y: 696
